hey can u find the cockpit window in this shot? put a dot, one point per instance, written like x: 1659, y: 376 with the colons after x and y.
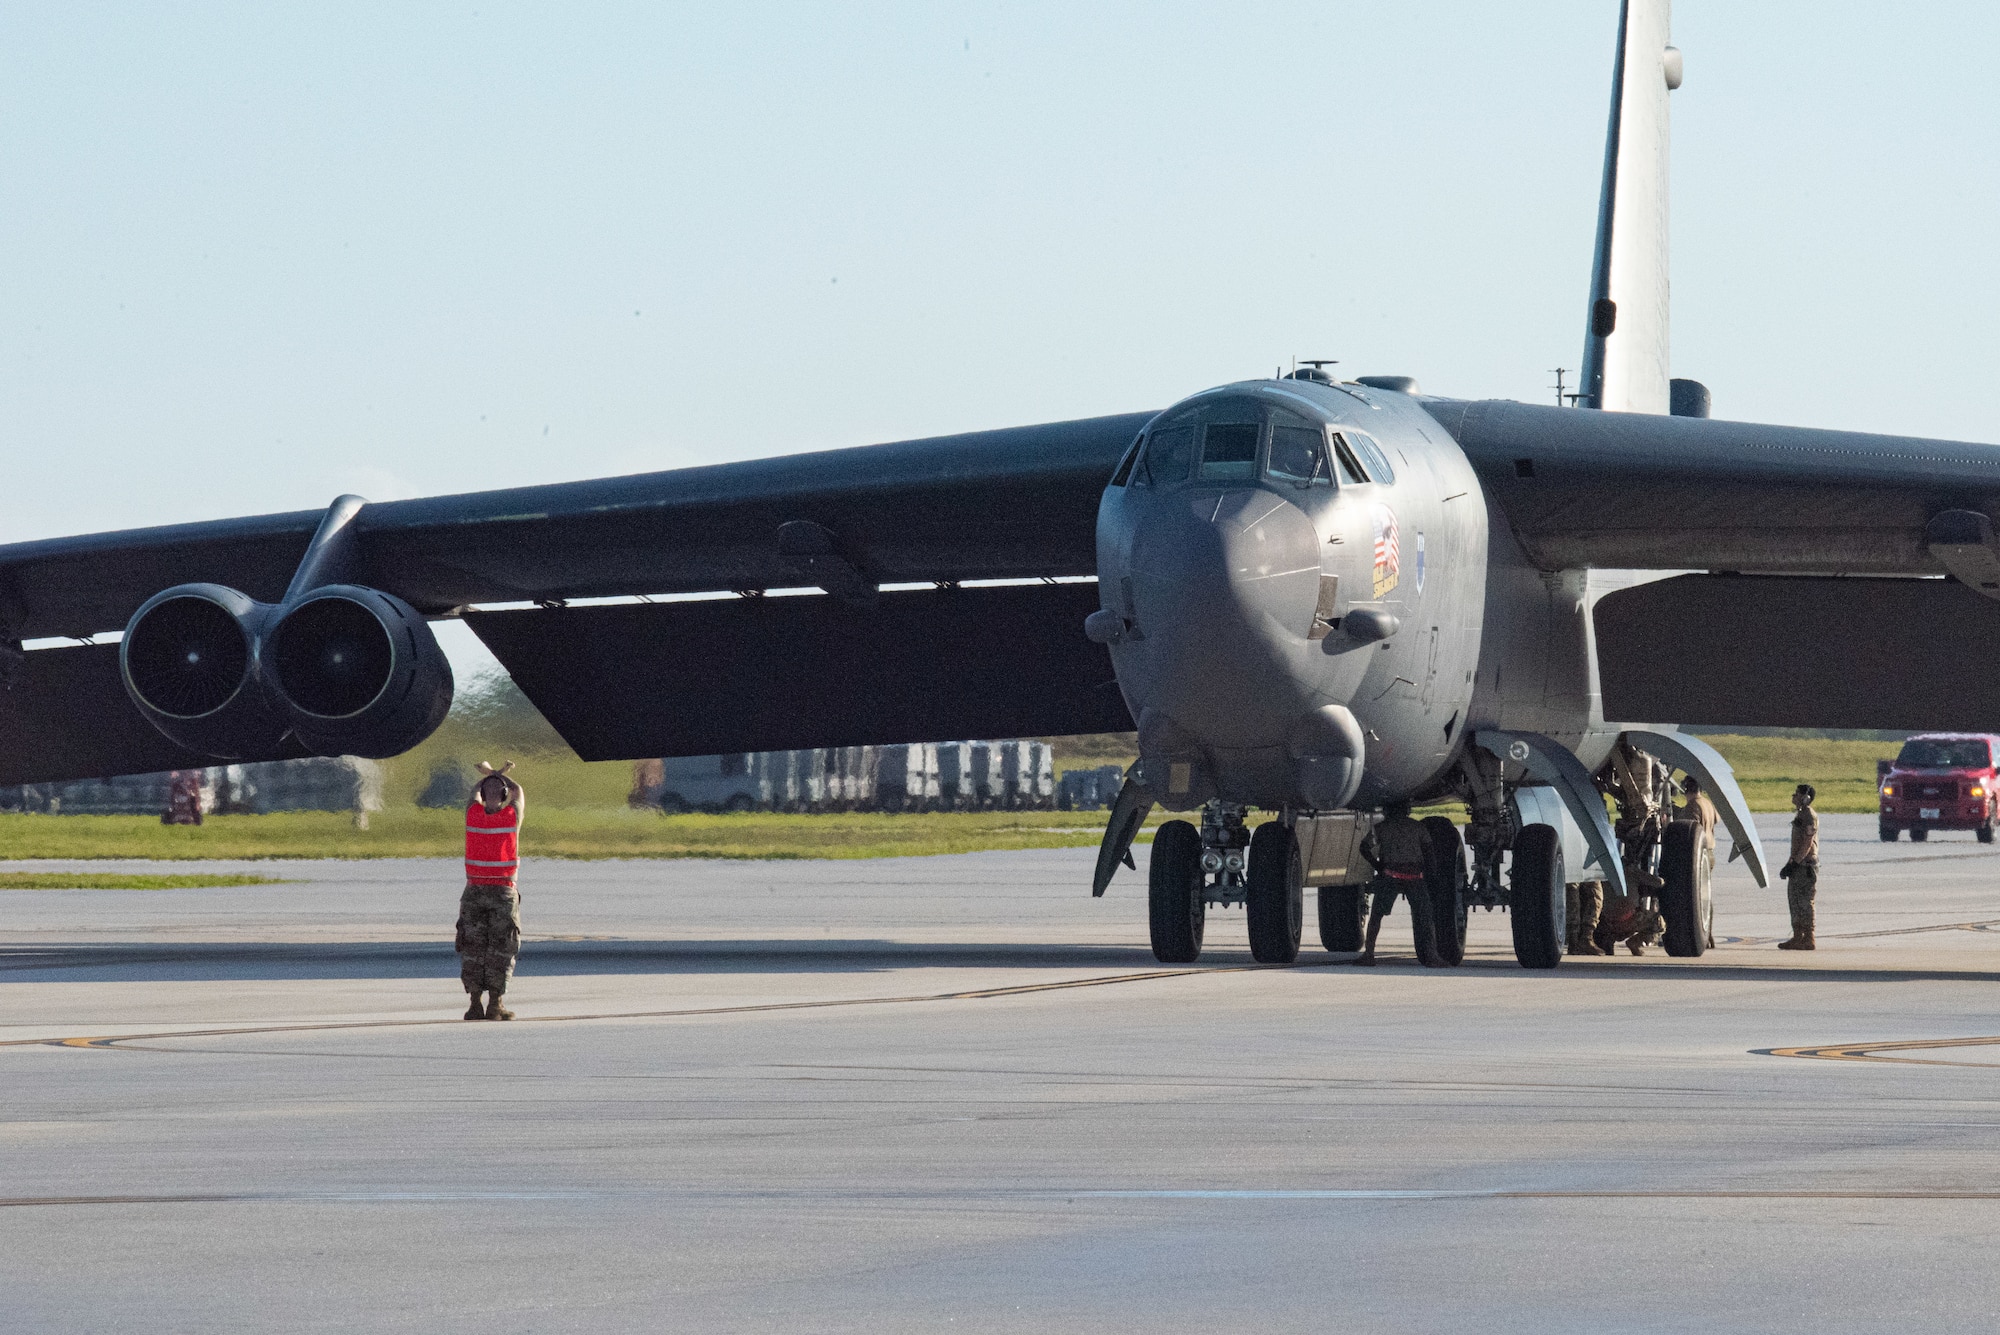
x: 1298, y: 455
x: 1169, y: 453
x: 1124, y: 473
x: 1229, y: 451
x: 1350, y: 466
x: 1371, y: 453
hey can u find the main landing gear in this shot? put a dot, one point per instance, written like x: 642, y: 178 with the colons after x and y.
x: 1686, y: 900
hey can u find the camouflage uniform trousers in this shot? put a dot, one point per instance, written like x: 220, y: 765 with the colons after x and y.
x: 1800, y: 887
x: 1585, y: 903
x: 489, y: 936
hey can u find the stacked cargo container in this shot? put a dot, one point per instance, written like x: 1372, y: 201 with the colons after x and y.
x: 917, y: 776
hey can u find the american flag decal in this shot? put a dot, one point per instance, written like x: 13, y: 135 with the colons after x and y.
x: 1388, y: 556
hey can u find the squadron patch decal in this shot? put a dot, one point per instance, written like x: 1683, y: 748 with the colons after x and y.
x: 1388, y: 554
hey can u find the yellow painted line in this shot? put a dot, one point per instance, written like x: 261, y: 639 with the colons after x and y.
x: 1872, y: 1052
x: 982, y: 994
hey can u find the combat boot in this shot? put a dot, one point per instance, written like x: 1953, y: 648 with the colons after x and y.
x: 1636, y: 947
x: 496, y: 1011
x: 476, y: 1011
x: 1588, y: 946
x: 1799, y: 941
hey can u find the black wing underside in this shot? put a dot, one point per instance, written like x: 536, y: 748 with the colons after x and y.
x: 771, y: 674
x: 1774, y: 651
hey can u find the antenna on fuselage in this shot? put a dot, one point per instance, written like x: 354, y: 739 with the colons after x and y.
x: 1565, y: 397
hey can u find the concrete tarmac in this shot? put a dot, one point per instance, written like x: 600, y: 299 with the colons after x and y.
x: 957, y: 1093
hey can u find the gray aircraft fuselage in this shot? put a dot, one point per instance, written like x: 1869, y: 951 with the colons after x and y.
x: 1235, y: 584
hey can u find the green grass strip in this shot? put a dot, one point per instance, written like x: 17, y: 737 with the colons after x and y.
x: 73, y: 880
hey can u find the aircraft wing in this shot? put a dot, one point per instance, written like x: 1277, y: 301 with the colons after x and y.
x: 1013, y: 503
x: 673, y: 677
x: 1844, y: 580
x: 1638, y: 491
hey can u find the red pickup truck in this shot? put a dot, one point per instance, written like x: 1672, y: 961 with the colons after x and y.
x: 1940, y: 781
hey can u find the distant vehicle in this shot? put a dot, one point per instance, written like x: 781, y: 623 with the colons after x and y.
x: 1089, y: 789
x: 712, y: 783
x: 906, y: 777
x: 1941, y: 781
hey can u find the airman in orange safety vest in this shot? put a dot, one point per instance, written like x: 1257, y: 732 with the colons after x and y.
x: 489, y: 912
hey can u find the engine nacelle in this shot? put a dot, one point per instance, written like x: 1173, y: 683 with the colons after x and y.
x: 189, y: 660
x: 348, y: 670
x: 355, y: 671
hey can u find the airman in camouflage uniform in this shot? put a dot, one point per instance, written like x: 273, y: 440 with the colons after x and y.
x: 489, y: 912
x: 1801, y: 873
x: 1395, y: 848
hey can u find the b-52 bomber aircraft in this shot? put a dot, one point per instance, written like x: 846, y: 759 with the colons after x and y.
x: 1310, y: 597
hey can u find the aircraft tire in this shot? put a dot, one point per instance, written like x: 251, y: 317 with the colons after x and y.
x: 1686, y: 900
x: 1343, y: 918
x: 1174, y: 902
x: 1446, y: 879
x: 1536, y: 907
x: 1276, y: 900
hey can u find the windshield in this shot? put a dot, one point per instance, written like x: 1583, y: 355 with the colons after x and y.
x: 1938, y: 753
x: 1229, y: 451
x: 1169, y: 453
x: 1298, y: 453
x: 1239, y: 441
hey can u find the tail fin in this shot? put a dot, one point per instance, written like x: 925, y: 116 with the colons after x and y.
x: 1625, y: 365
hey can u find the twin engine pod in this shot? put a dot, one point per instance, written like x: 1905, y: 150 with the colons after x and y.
x: 348, y: 670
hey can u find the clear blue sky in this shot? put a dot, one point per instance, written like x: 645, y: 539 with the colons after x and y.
x: 256, y: 255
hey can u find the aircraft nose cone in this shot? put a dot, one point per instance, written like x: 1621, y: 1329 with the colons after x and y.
x: 1225, y: 586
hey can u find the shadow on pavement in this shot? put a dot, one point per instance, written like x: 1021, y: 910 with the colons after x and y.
x: 206, y: 962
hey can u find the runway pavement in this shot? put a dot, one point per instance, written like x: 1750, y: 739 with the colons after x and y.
x: 958, y: 1094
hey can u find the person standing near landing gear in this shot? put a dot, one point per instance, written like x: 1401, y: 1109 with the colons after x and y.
x: 489, y: 912
x: 1802, y: 872
x: 1395, y: 848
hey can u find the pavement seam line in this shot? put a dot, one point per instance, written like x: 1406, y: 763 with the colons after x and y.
x: 107, y: 1041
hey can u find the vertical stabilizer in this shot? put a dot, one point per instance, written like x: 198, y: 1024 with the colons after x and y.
x: 1625, y: 365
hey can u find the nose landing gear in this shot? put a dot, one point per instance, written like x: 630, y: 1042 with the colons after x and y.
x: 1221, y: 863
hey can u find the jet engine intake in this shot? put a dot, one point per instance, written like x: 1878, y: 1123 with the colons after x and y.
x: 189, y: 664
x: 355, y: 671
